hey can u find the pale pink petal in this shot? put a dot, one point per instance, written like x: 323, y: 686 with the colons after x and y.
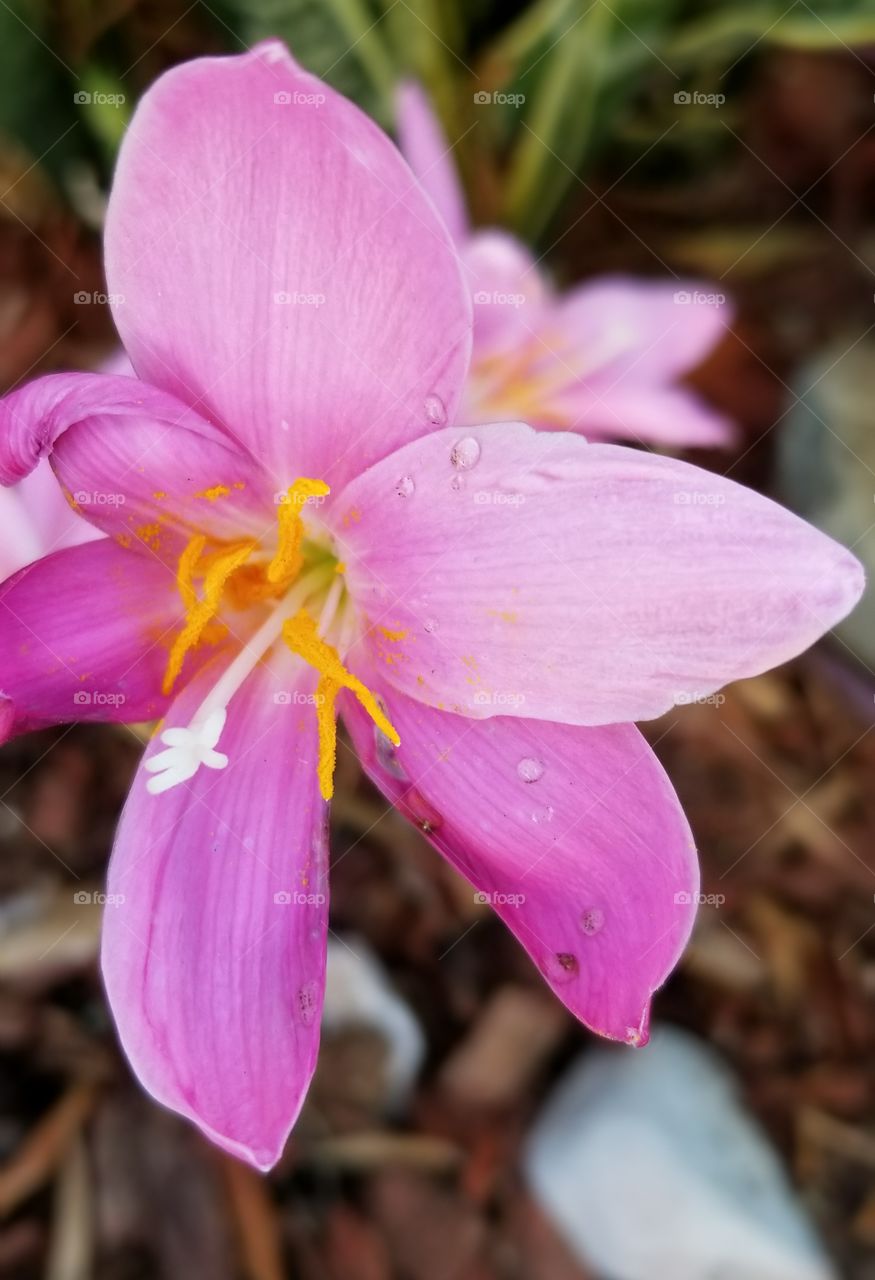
x: 214, y: 931
x: 510, y: 294
x: 574, y: 835
x: 669, y: 416
x: 430, y: 156
x: 643, y: 331
x: 84, y: 635
x: 281, y: 269
x: 135, y: 461
x: 44, y: 506
x: 590, y: 583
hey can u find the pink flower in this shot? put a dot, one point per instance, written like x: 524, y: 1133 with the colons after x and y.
x: 603, y: 359
x: 293, y: 525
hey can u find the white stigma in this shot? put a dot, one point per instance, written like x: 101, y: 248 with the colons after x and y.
x: 187, y: 750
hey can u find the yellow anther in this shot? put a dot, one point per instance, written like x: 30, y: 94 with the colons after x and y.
x: 301, y: 634
x: 200, y: 612
x: 287, y: 561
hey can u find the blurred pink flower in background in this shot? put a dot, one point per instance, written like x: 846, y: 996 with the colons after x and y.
x: 603, y: 358
x: 294, y: 520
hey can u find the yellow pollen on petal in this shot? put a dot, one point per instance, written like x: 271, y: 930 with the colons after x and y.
x: 287, y: 561
x: 200, y: 612
x: 301, y: 634
x: 213, y: 494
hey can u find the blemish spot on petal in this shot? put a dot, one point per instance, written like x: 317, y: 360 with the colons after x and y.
x: 406, y: 487
x: 592, y: 920
x: 456, y: 483
x: 465, y: 454
x: 561, y: 967
x: 308, y: 1002
x: 430, y: 625
x: 530, y: 769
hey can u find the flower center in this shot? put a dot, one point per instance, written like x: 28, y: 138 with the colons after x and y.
x: 301, y: 579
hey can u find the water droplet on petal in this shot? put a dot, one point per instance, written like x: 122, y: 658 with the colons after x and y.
x: 592, y: 920
x: 424, y: 815
x: 387, y: 755
x: 456, y: 483
x: 430, y: 625
x: 530, y: 769
x: 435, y: 410
x: 543, y: 815
x: 465, y: 454
x: 406, y: 487
x: 308, y: 1002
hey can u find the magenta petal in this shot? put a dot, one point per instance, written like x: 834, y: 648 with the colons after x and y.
x: 84, y: 635
x: 214, y: 931
x: 591, y: 584
x: 574, y: 835
x: 281, y: 269
x: 430, y: 156
x: 135, y: 460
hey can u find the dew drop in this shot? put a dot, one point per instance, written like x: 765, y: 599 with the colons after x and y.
x: 430, y: 625
x: 592, y: 920
x: 308, y: 1002
x: 456, y: 483
x: 530, y: 769
x: 406, y: 487
x: 543, y: 815
x: 435, y: 410
x: 387, y: 756
x: 465, y: 454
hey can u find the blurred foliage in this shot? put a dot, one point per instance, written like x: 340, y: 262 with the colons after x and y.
x: 568, y: 81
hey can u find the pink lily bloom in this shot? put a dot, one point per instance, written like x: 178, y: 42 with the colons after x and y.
x: 301, y: 531
x: 603, y: 359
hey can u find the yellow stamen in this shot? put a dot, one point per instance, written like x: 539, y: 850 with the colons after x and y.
x: 287, y: 561
x: 199, y: 613
x: 301, y: 634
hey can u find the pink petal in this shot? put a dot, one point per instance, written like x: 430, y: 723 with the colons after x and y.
x: 648, y: 332
x: 430, y: 156
x: 281, y: 269
x: 84, y: 635
x: 669, y: 416
x: 574, y: 835
x: 215, y: 982
x: 510, y: 294
x: 589, y: 583
x: 136, y: 461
